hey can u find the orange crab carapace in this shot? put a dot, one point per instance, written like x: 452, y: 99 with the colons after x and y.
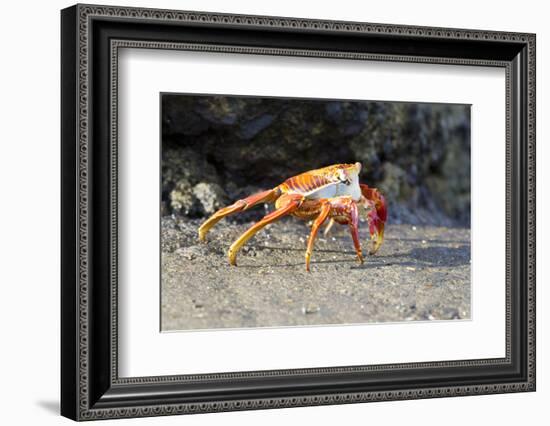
x: 331, y: 193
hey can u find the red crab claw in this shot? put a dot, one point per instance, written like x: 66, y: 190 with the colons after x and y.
x: 376, y: 215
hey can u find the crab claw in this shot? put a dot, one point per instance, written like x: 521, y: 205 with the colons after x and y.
x: 377, y: 215
x: 376, y: 228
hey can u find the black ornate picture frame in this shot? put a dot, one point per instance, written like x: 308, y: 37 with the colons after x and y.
x: 91, y: 387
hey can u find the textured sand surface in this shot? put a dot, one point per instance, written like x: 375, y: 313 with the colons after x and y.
x: 420, y: 273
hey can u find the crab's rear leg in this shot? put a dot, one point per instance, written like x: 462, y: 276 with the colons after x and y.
x: 328, y: 227
x: 288, y: 203
x: 345, y: 211
x: 323, y: 214
x: 354, y: 229
x: 268, y: 196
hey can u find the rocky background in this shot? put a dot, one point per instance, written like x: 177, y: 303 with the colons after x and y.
x: 217, y: 149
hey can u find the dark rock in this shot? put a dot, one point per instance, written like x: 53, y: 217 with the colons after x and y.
x: 418, y: 154
x: 210, y: 197
x: 181, y: 198
x: 251, y: 128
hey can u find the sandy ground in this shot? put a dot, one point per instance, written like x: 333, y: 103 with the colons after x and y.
x: 420, y: 273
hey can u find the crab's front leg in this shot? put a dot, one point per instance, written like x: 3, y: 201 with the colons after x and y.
x: 286, y: 204
x: 377, y: 215
x: 344, y: 210
x: 376, y: 229
x: 323, y: 214
x: 354, y: 228
x: 238, y: 206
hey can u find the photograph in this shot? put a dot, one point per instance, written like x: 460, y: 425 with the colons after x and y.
x: 279, y: 212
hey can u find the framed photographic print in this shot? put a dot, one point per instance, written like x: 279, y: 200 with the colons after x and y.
x: 263, y: 212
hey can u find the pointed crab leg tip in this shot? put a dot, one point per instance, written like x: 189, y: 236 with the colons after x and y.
x: 375, y: 248
x: 232, y: 256
x: 202, y: 233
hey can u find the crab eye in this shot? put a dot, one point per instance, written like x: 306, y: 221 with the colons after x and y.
x: 343, y: 177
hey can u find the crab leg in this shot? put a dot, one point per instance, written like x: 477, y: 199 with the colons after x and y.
x: 354, y: 229
x: 288, y: 207
x: 328, y: 227
x: 376, y: 217
x: 344, y: 210
x: 241, y: 205
x: 377, y: 235
x: 323, y: 214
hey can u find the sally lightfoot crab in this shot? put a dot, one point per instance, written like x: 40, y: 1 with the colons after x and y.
x: 331, y: 193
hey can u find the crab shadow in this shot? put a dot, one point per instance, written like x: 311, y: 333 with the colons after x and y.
x: 432, y: 241
x: 432, y: 256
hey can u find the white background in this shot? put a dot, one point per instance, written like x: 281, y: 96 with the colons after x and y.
x: 146, y: 352
x: 29, y: 225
